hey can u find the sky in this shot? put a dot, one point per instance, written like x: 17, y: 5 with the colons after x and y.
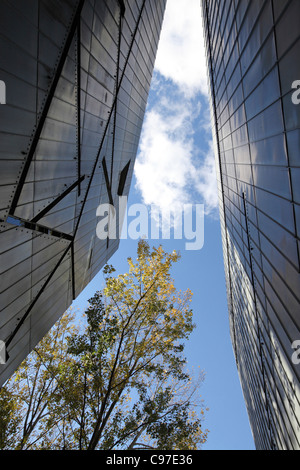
x: 175, y: 169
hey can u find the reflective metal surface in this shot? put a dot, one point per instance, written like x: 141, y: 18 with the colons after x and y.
x: 253, y: 59
x: 77, y: 74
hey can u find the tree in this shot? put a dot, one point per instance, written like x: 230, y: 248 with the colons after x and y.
x: 26, y: 399
x: 121, y: 380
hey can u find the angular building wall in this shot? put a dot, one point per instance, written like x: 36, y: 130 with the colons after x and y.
x: 77, y: 76
x: 253, y: 60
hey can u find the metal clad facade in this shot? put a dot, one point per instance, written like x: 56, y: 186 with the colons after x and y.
x: 77, y: 75
x: 253, y: 59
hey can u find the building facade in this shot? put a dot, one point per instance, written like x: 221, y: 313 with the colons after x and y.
x: 77, y: 75
x: 254, y: 71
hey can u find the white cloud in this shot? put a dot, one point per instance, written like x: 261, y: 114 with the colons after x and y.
x: 171, y: 170
x: 181, y: 56
x: 175, y: 163
x: 163, y: 167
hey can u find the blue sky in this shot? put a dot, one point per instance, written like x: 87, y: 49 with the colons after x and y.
x: 175, y: 166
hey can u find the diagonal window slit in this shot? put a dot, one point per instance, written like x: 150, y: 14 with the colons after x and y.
x: 16, y: 221
x: 108, y: 186
x: 123, y: 177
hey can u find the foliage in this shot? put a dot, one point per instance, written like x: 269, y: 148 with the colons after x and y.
x: 26, y: 399
x: 121, y: 381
